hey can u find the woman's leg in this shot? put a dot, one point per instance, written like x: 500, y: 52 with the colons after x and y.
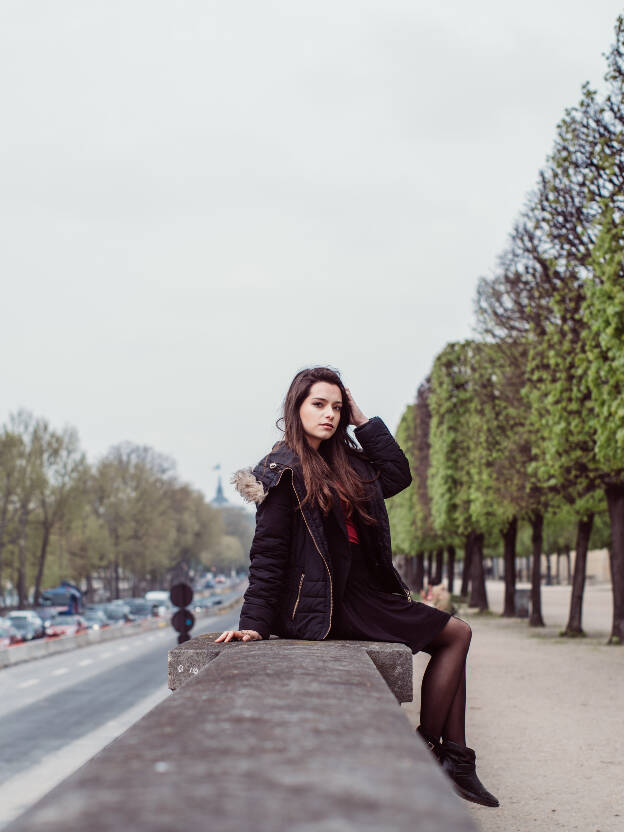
x: 443, y: 710
x: 454, y: 728
x: 443, y: 692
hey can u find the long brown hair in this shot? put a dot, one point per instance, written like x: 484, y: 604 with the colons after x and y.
x: 328, y: 468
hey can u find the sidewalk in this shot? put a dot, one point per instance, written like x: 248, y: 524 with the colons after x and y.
x: 545, y: 717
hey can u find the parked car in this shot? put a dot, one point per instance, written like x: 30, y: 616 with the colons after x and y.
x: 118, y: 613
x: 202, y: 604
x: 96, y: 620
x: 139, y: 607
x: 24, y: 627
x: 31, y: 616
x: 8, y: 634
x: 160, y: 602
x: 67, y: 625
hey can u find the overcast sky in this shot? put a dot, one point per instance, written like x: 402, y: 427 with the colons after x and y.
x: 197, y: 199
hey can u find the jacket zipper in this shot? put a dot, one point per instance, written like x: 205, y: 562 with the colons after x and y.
x: 404, y: 591
x: 298, y: 596
x: 331, y: 588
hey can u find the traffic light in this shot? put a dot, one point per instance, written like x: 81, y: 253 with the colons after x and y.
x: 183, y: 620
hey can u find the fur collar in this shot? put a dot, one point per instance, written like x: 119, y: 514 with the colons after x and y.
x: 253, y: 484
x: 250, y: 489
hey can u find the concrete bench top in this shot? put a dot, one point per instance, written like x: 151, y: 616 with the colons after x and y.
x: 274, y: 736
x: 393, y: 661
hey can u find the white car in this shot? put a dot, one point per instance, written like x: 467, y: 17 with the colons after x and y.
x: 159, y: 599
x: 19, y: 615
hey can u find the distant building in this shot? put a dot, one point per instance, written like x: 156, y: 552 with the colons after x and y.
x: 219, y: 498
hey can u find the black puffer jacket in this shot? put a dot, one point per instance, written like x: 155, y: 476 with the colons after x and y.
x: 291, y: 589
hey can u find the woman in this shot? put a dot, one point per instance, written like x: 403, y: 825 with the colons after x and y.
x: 321, y: 560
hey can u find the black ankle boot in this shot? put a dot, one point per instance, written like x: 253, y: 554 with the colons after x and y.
x: 458, y: 762
x: 431, y: 742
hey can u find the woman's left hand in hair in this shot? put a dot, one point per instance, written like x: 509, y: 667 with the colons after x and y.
x: 357, y: 417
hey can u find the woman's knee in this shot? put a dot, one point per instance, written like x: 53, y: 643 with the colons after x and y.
x: 460, y: 632
x: 455, y: 632
x: 466, y: 632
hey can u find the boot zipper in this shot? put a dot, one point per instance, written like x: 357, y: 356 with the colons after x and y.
x: 298, y: 596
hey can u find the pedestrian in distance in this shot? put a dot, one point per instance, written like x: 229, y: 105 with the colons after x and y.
x: 321, y: 559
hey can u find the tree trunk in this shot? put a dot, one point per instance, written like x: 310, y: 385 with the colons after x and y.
x: 21, y: 563
x: 450, y: 551
x: 3, y: 525
x: 404, y: 568
x: 509, y: 541
x: 429, y: 567
x: 419, y: 572
x: 537, y: 530
x: 42, y: 557
x: 478, y: 595
x: 548, y: 571
x: 116, y: 577
x: 466, y: 566
x: 583, y: 531
x: 406, y: 564
x: 89, y: 590
x: 558, y: 569
x: 439, y: 561
x: 615, y: 501
x: 569, y: 567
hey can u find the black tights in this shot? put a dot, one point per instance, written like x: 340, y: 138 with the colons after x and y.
x: 443, y: 693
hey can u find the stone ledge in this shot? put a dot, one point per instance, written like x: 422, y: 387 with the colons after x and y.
x: 393, y: 661
x: 275, y: 739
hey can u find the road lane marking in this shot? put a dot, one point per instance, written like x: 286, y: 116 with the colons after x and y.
x: 122, y: 648
x: 85, y: 662
x: 107, y: 655
x: 28, y: 683
x: 19, y: 792
x: 60, y: 671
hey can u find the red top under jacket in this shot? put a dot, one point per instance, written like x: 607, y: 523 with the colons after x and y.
x: 351, y: 530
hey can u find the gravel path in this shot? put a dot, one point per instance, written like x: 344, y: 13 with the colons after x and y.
x: 546, y: 718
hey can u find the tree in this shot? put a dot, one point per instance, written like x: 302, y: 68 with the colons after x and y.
x: 10, y: 449
x: 131, y: 497
x: 198, y: 529
x: 452, y: 402
x: 499, y: 443
x: 604, y: 340
x: 64, y: 478
x: 227, y: 554
x: 29, y: 476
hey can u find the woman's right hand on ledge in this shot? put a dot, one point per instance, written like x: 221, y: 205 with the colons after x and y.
x: 239, y: 635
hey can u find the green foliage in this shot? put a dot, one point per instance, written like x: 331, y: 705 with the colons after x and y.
x: 227, y: 554
x: 450, y: 441
x: 604, y: 343
x: 497, y: 423
x: 410, y: 510
x: 477, y: 438
x: 402, y: 507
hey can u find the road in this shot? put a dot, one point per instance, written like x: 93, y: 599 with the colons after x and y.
x: 56, y: 712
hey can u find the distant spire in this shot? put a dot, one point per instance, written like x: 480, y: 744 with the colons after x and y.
x: 219, y: 498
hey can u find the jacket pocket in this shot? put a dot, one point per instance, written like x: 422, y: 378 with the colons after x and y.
x: 298, y: 595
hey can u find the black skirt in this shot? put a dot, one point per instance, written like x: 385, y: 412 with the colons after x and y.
x: 366, y: 613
